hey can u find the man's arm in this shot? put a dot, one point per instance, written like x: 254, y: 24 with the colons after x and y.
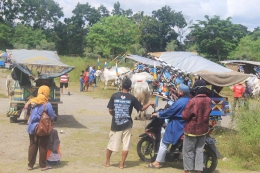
x: 111, y: 111
x: 147, y: 105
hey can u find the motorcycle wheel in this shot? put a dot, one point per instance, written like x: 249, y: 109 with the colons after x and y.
x: 210, y: 160
x: 145, y: 149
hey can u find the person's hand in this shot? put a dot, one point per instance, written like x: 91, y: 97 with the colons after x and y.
x: 152, y: 104
x: 154, y: 114
x: 26, y: 105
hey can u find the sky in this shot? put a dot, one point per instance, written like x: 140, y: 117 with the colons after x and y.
x: 245, y: 12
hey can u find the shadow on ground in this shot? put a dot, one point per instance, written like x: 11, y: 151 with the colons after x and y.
x: 60, y: 165
x: 68, y: 121
x: 218, y: 130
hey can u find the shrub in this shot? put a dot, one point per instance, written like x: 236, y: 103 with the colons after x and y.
x: 244, y: 143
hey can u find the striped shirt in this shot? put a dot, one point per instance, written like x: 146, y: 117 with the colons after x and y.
x: 64, y: 78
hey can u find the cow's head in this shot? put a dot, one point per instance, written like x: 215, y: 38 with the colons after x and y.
x: 119, y: 79
x: 98, y: 73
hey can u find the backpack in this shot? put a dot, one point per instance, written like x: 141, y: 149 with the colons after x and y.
x: 45, y: 125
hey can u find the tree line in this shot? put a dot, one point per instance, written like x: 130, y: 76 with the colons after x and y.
x: 93, y: 32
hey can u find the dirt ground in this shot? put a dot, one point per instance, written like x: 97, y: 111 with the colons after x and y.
x: 85, y: 123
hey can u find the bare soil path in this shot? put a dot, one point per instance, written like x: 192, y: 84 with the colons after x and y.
x: 85, y: 123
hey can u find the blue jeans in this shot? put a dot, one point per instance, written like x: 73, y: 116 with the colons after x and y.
x: 81, y: 86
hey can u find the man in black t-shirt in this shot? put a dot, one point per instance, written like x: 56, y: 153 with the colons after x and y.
x: 120, y: 107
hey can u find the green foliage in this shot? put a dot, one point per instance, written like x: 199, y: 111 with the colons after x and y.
x: 242, y: 144
x: 216, y: 38
x: 114, y: 34
x: 5, y: 35
x: 137, y: 49
x: 171, y: 46
x: 119, y: 11
x: 9, y: 10
x: 20, y: 46
x: 168, y: 20
x: 248, y: 48
x: 150, y: 36
x: 44, y: 45
x: 191, y: 48
x: 40, y: 13
x: 30, y: 39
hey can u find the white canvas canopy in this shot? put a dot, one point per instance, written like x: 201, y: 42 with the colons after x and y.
x: 143, y: 60
x: 211, y: 72
x: 191, y: 63
x: 38, y: 63
x: 241, y: 62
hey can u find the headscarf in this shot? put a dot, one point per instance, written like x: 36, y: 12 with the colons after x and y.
x: 42, y: 96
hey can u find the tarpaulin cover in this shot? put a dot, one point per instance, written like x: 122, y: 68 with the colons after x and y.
x: 211, y: 72
x: 222, y: 78
x: 241, y: 62
x: 189, y: 62
x: 143, y: 60
x: 32, y: 62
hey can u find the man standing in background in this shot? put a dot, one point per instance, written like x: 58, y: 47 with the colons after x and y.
x: 64, y: 82
x: 238, y: 91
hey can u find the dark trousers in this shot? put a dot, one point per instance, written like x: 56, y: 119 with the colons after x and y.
x: 36, y: 142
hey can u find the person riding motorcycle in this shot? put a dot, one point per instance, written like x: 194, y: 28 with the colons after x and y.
x: 174, y: 128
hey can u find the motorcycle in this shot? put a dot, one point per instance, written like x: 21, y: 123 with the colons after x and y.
x: 148, y: 146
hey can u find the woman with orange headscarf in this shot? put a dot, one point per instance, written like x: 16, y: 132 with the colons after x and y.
x: 38, y: 142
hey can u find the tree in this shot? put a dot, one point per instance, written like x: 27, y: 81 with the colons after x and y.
x: 5, y: 36
x: 137, y: 49
x: 103, y: 11
x: 150, y: 37
x: 85, y: 15
x: 114, y: 34
x: 25, y: 35
x: 171, y: 46
x: 9, y: 10
x: 183, y: 23
x: 216, y: 38
x: 168, y: 19
x: 248, y: 48
x: 44, y: 45
x: 40, y: 13
x: 119, y: 11
x: 72, y: 33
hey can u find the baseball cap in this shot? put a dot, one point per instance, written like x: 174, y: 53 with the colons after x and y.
x: 184, y: 88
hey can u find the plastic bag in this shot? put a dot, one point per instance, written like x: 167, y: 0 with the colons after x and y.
x: 23, y: 114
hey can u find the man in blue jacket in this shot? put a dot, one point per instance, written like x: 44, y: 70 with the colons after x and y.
x: 174, y: 128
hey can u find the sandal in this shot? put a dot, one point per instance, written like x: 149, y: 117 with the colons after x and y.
x: 45, y: 168
x: 151, y: 165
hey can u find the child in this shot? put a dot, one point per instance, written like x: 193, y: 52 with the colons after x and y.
x: 81, y: 81
x: 53, y: 153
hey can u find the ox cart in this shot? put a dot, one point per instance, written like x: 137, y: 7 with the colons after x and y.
x: 32, y: 69
x: 214, y: 74
x: 174, y: 68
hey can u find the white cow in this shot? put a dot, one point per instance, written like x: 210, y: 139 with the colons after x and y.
x: 134, y: 77
x: 142, y: 92
x: 110, y: 74
x: 256, y: 90
x: 254, y: 83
